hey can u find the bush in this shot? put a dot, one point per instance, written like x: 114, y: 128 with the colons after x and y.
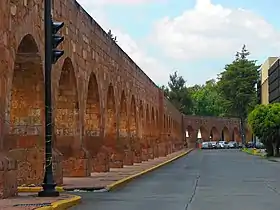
x: 265, y: 123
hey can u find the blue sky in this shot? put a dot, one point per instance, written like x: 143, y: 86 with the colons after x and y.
x: 196, y: 38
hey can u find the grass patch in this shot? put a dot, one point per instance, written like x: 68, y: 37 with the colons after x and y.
x: 252, y: 151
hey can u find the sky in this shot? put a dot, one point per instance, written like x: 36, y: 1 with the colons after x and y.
x: 196, y: 38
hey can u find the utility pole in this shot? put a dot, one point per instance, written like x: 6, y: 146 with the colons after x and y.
x: 52, y: 40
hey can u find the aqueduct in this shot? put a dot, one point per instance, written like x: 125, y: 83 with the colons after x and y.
x: 107, y: 112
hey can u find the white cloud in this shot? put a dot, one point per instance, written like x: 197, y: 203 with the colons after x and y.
x: 151, y: 66
x: 212, y: 31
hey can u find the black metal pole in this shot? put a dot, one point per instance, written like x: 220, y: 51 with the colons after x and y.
x: 48, y: 184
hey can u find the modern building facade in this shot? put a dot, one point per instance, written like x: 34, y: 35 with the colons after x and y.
x: 264, y: 90
x: 274, y: 82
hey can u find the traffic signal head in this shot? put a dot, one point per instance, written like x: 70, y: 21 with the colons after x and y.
x: 56, y: 40
x: 56, y: 26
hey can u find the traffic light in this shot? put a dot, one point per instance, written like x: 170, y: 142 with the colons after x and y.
x: 56, y: 40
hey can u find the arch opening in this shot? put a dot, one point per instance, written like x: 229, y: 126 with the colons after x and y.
x: 132, y: 123
x: 142, y: 123
x: 26, y: 112
x: 147, y: 122
x: 67, y: 106
x: 66, y: 110
x: 92, y: 116
x: 153, y: 122
x: 236, y: 135
x: 157, y: 123
x: 26, y: 117
x: 123, y: 125
x: 202, y: 134
x: 225, y: 135
x: 214, y: 134
x: 111, y: 124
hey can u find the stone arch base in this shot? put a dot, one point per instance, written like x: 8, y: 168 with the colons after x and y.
x: 30, y: 163
x: 8, y: 176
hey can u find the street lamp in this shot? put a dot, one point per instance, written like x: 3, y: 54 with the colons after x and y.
x: 52, y: 40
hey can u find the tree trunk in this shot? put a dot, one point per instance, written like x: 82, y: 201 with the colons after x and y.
x: 269, y: 149
x: 243, y: 137
x: 275, y: 149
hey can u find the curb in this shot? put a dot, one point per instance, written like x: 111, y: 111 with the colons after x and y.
x: 130, y: 178
x: 36, y: 189
x: 62, y: 204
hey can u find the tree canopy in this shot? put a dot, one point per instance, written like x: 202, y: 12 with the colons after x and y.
x: 206, y: 99
x: 265, y: 123
x: 178, y: 93
x: 234, y: 94
x: 237, y: 85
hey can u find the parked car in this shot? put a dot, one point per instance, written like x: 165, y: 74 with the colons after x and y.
x: 259, y: 145
x: 232, y: 145
x: 223, y: 144
x: 213, y: 144
x: 206, y: 145
x: 239, y: 145
x: 249, y: 144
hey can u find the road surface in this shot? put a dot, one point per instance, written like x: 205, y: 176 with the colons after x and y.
x: 203, y: 180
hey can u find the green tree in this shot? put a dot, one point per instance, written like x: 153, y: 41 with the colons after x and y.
x: 206, y: 99
x: 237, y: 86
x: 178, y: 93
x: 110, y: 34
x: 265, y: 123
x: 165, y: 90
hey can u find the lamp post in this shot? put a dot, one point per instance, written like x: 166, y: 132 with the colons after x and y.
x: 51, y: 56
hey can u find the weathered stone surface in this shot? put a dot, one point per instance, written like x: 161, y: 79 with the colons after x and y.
x: 30, y: 165
x: 106, y: 110
x: 8, y: 176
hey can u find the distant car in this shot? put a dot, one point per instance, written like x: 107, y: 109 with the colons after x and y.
x: 223, y: 144
x: 259, y: 145
x: 240, y: 145
x: 213, y: 144
x: 232, y: 145
x: 249, y: 144
x: 205, y: 145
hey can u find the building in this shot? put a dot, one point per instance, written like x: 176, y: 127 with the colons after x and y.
x: 264, y: 90
x: 274, y: 82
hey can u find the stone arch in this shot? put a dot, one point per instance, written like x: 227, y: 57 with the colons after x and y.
x: 204, y: 133
x: 153, y: 121
x: 67, y: 110
x: 164, y: 122
x: 92, y: 118
x: 26, y: 113
x: 157, y: 122
x: 110, y: 122
x: 190, y: 131
x: 26, y: 116
x: 214, y: 134
x: 141, y: 117
x: 236, y: 135
x: 132, y: 118
x: 123, y: 118
x: 225, y: 136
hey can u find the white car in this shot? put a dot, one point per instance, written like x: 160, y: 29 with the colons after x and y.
x: 223, y: 144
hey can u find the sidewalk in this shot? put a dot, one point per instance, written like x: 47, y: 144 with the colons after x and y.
x: 30, y: 201
x: 99, y: 181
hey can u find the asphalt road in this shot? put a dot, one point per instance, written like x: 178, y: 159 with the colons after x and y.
x: 203, y: 180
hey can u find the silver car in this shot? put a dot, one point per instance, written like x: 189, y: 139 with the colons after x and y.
x: 223, y: 145
x: 205, y: 145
